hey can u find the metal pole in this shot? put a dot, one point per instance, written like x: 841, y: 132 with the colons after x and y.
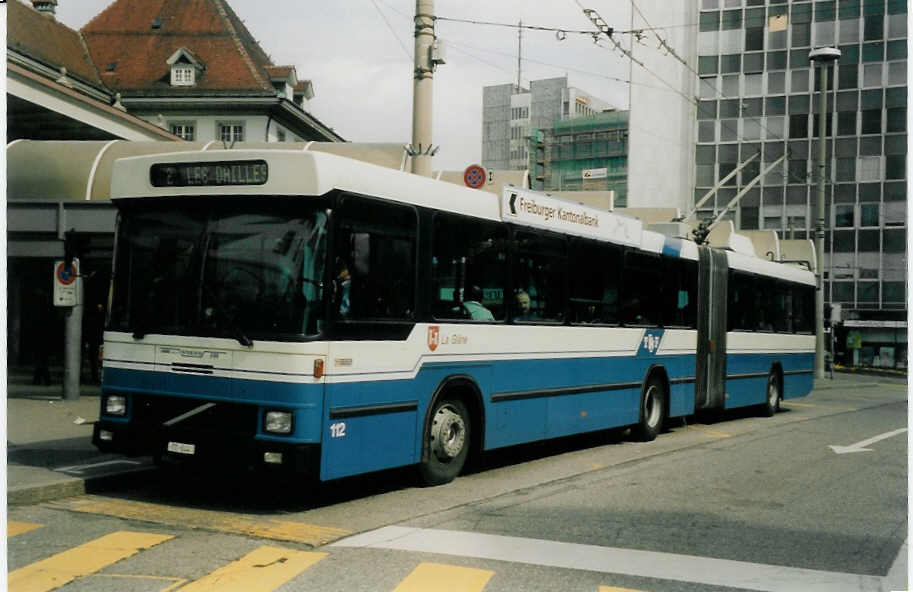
x: 72, y: 360
x: 825, y: 57
x: 819, y: 224
x: 422, y: 88
x: 519, y: 52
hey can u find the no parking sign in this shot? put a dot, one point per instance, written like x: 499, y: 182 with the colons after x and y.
x: 65, y: 283
x: 474, y: 176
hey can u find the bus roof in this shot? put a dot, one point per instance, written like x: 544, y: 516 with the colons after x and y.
x: 298, y: 173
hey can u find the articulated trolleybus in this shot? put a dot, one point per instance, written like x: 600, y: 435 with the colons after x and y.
x: 311, y: 313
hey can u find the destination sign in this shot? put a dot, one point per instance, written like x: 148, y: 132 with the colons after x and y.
x: 545, y: 211
x: 197, y: 174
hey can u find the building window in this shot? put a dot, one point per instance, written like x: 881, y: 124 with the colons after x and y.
x: 868, y: 214
x: 871, y: 121
x: 185, y: 130
x: 843, y: 216
x: 182, y: 75
x: 231, y: 131
x: 869, y: 168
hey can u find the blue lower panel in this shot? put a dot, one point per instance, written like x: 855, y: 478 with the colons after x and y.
x: 384, y: 440
x: 363, y: 427
x: 370, y: 443
x: 746, y: 382
x: 798, y: 385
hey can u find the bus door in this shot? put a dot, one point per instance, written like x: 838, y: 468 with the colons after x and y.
x: 710, y: 373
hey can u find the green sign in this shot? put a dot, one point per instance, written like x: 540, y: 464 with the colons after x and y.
x: 854, y: 340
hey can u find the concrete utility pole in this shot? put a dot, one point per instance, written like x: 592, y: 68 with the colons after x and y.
x: 824, y: 56
x: 422, y: 88
x: 72, y: 361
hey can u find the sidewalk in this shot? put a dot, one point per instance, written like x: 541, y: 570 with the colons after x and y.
x: 49, y: 441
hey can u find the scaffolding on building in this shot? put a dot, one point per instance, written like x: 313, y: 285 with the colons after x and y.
x: 583, y: 154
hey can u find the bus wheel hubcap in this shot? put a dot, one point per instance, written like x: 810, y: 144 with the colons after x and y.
x: 448, y: 433
x: 651, y: 407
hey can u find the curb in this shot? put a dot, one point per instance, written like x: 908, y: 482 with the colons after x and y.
x: 35, y: 494
x: 67, y: 486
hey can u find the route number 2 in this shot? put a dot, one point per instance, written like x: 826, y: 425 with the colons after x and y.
x: 338, y: 430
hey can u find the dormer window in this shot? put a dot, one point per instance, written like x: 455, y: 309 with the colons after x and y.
x: 185, y: 68
x: 182, y: 75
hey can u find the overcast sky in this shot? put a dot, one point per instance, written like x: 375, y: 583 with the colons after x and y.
x: 358, y: 53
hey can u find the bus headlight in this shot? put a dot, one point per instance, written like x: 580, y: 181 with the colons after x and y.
x: 115, y: 405
x: 278, y: 422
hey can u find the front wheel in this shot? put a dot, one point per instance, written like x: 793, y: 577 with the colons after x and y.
x: 446, y: 442
x: 652, y: 411
x: 772, y: 403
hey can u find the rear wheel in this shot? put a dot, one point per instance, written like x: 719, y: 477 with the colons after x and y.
x: 446, y: 442
x: 652, y: 411
x: 772, y: 402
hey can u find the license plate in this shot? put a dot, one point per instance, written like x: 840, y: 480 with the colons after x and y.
x: 181, y: 448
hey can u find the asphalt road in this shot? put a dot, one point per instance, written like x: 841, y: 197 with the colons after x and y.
x: 743, y: 503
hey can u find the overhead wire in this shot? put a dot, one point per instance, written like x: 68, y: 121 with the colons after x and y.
x: 392, y: 30
x: 693, y: 100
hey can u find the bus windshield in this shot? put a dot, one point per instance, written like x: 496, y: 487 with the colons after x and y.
x: 239, y: 268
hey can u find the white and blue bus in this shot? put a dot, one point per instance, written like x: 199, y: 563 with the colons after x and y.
x: 311, y: 313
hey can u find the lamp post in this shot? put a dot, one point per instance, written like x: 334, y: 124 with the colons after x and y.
x: 824, y: 57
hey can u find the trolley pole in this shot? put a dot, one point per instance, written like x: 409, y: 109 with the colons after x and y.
x: 422, y: 88
x: 825, y: 56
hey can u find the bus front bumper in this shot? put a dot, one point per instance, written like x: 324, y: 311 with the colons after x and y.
x: 206, y: 448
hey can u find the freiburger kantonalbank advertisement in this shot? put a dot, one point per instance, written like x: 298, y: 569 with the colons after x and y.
x: 544, y: 211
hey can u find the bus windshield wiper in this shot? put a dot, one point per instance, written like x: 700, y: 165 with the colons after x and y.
x: 229, y: 321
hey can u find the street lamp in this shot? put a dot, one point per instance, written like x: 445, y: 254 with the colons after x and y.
x: 824, y: 56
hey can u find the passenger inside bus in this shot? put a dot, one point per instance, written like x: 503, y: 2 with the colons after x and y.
x: 473, y: 305
x: 524, y: 310
x: 343, y: 288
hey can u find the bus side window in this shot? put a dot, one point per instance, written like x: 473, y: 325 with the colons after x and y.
x: 803, y: 308
x: 641, y: 292
x: 468, y: 268
x: 375, y: 243
x: 539, y: 271
x: 593, y: 282
x: 679, y: 292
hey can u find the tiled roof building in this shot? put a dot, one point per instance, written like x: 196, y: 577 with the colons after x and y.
x: 188, y: 67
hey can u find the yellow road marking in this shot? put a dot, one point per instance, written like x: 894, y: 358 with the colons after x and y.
x: 444, y: 578
x: 268, y: 528
x: 60, y: 569
x: 261, y: 570
x: 175, y: 582
x: 711, y: 433
x: 14, y: 528
x: 792, y: 404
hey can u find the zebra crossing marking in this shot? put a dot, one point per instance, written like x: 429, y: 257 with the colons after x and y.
x: 262, y: 570
x: 62, y: 568
x: 444, y: 578
x: 17, y: 528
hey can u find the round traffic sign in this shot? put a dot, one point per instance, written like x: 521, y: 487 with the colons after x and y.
x: 474, y: 176
x: 65, y: 275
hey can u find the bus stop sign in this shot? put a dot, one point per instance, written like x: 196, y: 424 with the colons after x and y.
x: 65, y: 293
